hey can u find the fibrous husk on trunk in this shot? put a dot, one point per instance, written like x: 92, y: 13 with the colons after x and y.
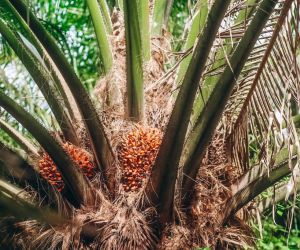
x: 200, y: 225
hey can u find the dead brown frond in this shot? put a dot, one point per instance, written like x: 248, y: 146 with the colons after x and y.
x: 127, y: 229
x: 262, y: 102
x: 237, y: 235
x: 201, y: 226
x: 177, y: 237
x: 211, y: 191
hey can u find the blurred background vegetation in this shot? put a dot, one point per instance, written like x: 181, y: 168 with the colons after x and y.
x: 69, y: 22
x: 276, y: 232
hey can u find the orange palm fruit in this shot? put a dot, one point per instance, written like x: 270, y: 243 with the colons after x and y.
x: 50, y: 172
x: 136, y: 153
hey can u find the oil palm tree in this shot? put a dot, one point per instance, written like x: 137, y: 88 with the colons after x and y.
x: 161, y: 154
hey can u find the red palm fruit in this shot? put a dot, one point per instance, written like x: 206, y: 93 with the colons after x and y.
x: 51, y: 173
x: 136, y: 153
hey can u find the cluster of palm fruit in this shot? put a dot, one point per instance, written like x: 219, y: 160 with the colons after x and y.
x: 50, y: 172
x: 136, y: 153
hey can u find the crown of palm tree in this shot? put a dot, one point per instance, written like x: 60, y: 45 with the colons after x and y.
x: 162, y: 157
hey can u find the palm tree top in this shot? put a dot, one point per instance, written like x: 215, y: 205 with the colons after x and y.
x: 171, y: 144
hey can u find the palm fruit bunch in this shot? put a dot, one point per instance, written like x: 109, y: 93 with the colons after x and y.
x: 50, y: 172
x: 136, y: 153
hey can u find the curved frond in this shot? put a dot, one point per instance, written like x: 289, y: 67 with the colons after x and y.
x: 161, y: 185
x: 211, y: 113
x: 267, y: 96
x: 28, y: 147
x: 255, y: 181
x: 100, y: 145
x: 41, y: 79
x: 18, y: 171
x: 78, y: 186
x: 14, y: 202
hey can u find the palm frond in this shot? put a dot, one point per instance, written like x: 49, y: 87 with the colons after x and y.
x: 41, y: 79
x: 235, y: 23
x: 106, y: 15
x: 40, y: 53
x: 262, y: 100
x: 211, y: 113
x: 279, y: 194
x: 78, y: 186
x: 19, y: 172
x: 161, y: 12
x: 194, y: 26
x: 101, y: 148
x: 161, y: 185
x: 15, y: 167
x: 255, y: 181
x: 137, y: 53
x: 101, y: 32
x: 15, y: 202
x: 28, y: 147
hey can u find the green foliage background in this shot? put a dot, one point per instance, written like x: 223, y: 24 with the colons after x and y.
x: 275, y: 233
